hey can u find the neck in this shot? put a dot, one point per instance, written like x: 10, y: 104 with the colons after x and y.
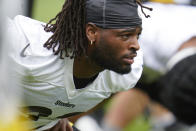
x: 83, y: 67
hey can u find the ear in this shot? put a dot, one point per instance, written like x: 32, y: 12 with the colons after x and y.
x: 91, y: 32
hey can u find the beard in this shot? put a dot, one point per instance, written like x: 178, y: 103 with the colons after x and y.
x: 104, y: 56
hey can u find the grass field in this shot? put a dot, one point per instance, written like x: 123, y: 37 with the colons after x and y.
x: 44, y: 10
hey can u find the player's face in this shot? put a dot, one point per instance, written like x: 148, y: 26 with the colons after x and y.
x: 115, y: 49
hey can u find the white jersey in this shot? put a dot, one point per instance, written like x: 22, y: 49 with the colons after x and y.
x: 163, y: 33
x: 49, y: 89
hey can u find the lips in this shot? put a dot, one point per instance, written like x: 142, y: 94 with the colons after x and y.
x: 129, y: 59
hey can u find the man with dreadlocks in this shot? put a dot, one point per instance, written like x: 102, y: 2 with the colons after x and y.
x: 95, y: 53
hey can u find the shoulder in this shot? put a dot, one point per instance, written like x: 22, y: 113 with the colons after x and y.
x: 23, y: 31
x: 24, y: 22
x: 33, y: 30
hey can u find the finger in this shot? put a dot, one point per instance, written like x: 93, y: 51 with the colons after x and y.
x: 64, y: 125
x: 69, y: 127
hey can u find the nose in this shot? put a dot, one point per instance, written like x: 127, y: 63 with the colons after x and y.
x: 134, y: 44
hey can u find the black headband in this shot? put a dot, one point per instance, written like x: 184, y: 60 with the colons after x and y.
x: 113, y: 13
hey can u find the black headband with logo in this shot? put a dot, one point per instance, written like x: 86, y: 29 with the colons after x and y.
x: 113, y: 14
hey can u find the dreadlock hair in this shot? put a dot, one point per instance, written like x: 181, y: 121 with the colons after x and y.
x: 139, y: 2
x: 68, y: 30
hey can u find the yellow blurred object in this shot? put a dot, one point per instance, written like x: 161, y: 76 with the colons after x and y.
x: 163, y: 1
x: 14, y: 125
x: 173, y: 1
x: 71, y: 124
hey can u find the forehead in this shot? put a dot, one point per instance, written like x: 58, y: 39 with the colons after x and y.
x: 124, y: 30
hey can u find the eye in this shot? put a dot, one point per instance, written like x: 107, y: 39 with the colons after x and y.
x: 138, y: 36
x: 125, y: 36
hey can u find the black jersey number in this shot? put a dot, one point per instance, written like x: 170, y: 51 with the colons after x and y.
x: 34, y: 112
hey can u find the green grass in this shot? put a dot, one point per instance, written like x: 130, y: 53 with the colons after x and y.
x: 140, y: 124
x: 44, y: 10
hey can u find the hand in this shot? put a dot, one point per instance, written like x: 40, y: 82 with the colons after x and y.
x: 62, y: 125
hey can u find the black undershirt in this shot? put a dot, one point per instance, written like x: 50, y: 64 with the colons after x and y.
x: 83, y: 82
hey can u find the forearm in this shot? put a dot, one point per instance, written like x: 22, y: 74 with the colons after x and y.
x: 125, y: 107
